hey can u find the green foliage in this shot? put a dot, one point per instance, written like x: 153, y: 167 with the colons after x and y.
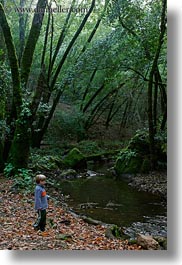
x: 161, y: 138
x: 140, y: 142
x: 43, y: 110
x: 5, y: 78
x: 9, y: 170
x: 118, y: 232
x: 128, y: 154
x: 67, y: 125
x: 135, y: 158
x: 88, y: 147
x: 44, y: 162
x: 23, y: 178
x: 1, y: 52
x: 128, y: 162
x: 117, y: 50
x: 25, y: 111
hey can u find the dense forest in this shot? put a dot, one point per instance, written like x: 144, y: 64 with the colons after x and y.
x: 105, y: 61
x: 82, y: 80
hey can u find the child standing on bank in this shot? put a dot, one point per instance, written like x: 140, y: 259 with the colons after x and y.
x: 41, y: 203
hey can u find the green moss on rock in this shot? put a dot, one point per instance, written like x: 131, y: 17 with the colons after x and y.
x: 74, y: 159
x: 125, y: 165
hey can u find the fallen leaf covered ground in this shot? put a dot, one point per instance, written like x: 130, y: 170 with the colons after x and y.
x: 17, y: 216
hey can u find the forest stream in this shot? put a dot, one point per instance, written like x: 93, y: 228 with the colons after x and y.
x: 111, y: 201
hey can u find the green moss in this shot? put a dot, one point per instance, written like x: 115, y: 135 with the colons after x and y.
x: 126, y: 165
x: 140, y: 143
x: 20, y: 149
x: 17, y: 95
x: 135, y: 158
x: 74, y: 159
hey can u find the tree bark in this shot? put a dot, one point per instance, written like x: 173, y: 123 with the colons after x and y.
x: 28, y: 53
x: 19, y: 151
x: 2, y: 46
x: 17, y: 95
x: 150, y: 86
x: 20, y: 147
x: 21, y: 31
x: 155, y: 103
x: 2, y: 128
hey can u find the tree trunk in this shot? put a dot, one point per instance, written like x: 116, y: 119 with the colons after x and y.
x: 20, y: 148
x: 2, y: 127
x: 164, y: 120
x: 27, y: 56
x: 150, y: 86
x: 95, y: 28
x: 61, y: 39
x: 163, y: 101
x: 17, y: 96
x: 87, y: 88
x: 2, y: 102
x: 2, y: 46
x: 21, y: 31
x: 19, y: 151
x: 61, y: 63
x: 42, y: 129
x: 44, y: 123
x: 155, y: 103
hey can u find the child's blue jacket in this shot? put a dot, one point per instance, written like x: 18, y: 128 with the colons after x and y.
x: 40, y: 198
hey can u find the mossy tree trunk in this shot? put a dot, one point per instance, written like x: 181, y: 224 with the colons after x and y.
x: 2, y: 101
x: 2, y: 129
x: 2, y: 46
x: 22, y: 29
x: 17, y: 95
x: 20, y: 148
x: 20, y: 142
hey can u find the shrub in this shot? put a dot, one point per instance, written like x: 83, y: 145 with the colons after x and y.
x: 23, y: 178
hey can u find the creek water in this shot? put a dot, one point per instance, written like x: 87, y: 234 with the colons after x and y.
x: 114, y: 202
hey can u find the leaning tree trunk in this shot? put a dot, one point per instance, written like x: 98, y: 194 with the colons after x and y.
x: 38, y: 135
x: 28, y: 53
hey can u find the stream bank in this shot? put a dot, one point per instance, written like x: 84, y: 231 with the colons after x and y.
x: 153, y: 182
